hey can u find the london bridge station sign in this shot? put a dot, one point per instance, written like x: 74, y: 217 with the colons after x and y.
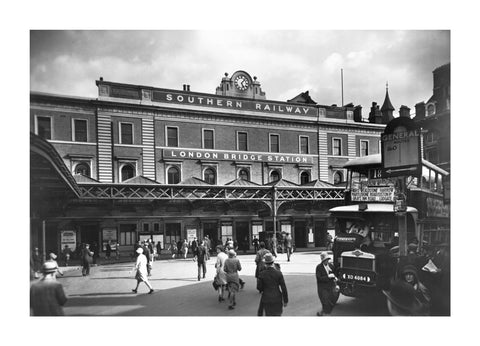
x: 225, y: 103
x: 185, y: 154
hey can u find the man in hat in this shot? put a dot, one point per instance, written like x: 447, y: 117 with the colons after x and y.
x: 326, y: 282
x: 86, y: 257
x: 201, y: 256
x: 271, y: 285
x: 46, y: 295
x: 288, y: 245
x: 401, y: 300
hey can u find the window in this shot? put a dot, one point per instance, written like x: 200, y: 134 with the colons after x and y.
x: 208, y: 139
x: 363, y: 148
x: 128, y: 234
x: 126, y: 133
x: 304, y: 145
x: 337, y: 146
x: 432, y: 137
x: 173, y: 175
x: 274, y: 143
x: 83, y: 168
x: 243, y: 174
x: 337, y: 178
x: 274, y: 176
x: 209, y: 176
x: 256, y: 229
x: 304, y: 178
x: 79, y: 130
x: 172, y: 137
x: 430, y: 109
x: 44, y: 127
x: 242, y: 143
x: 172, y: 233
x: 127, y: 171
x: 227, y: 232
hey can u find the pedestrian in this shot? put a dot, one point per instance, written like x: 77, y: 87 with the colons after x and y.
x: 259, y: 258
x: 326, y: 284
x: 86, y: 259
x: 220, y: 277
x: 179, y: 248
x: 46, y: 295
x: 146, y: 253
x: 422, y: 294
x: 328, y: 241
x: 231, y: 268
x: 201, y: 258
x: 274, y: 245
x: 151, y: 250
x: 401, y: 300
x: 141, y: 271
x: 53, y: 258
x: 255, y: 243
x: 36, y: 261
x: 66, y: 254
x: 135, y: 247
x: 185, y: 248
x: 96, y: 253
x: 194, y: 245
x: 288, y: 245
x: 108, y: 250
x: 271, y: 285
x: 117, y: 251
x: 159, y: 249
x: 207, y: 245
x: 173, y: 248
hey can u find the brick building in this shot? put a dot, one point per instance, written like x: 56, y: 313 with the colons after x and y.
x: 170, y: 164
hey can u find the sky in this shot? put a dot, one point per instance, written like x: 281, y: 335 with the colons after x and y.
x: 286, y: 62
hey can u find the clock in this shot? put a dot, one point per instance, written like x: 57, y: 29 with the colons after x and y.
x: 241, y: 82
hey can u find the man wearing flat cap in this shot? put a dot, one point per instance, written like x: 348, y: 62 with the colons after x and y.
x: 46, y: 295
x: 271, y: 284
x: 326, y: 282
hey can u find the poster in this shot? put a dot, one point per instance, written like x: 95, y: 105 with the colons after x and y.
x: 69, y: 238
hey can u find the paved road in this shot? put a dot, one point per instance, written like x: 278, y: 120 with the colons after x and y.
x: 107, y: 291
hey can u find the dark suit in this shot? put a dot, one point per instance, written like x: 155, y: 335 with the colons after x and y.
x: 201, y: 254
x: 325, y: 287
x: 269, y: 283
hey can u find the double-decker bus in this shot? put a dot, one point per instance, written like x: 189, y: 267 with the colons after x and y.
x: 366, y: 245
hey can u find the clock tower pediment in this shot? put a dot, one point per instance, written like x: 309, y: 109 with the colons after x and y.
x: 240, y: 84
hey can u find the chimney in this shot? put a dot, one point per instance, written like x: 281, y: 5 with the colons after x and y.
x: 184, y: 87
x: 188, y: 87
x: 404, y: 112
x: 357, y: 114
x: 420, y: 111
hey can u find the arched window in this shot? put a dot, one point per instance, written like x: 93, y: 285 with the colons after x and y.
x: 83, y: 168
x: 173, y: 175
x: 128, y: 171
x: 304, y: 178
x: 209, y: 176
x: 243, y: 174
x: 274, y: 176
x: 337, y: 178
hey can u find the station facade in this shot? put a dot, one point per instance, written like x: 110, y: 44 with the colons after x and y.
x: 176, y: 164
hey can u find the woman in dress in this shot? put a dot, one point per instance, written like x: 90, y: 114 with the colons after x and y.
x: 221, y: 277
x: 142, y: 273
x: 231, y: 268
x: 185, y: 248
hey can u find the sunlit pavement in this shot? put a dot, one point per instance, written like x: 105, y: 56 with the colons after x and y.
x: 108, y: 291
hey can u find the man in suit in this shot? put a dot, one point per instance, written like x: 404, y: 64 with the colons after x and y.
x: 326, y: 281
x: 271, y: 284
x: 288, y: 245
x: 201, y: 258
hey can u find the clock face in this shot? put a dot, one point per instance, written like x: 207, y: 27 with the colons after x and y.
x: 241, y: 82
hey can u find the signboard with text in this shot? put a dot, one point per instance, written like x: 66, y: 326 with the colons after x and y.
x: 401, y: 148
x: 373, y: 194
x: 69, y: 238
